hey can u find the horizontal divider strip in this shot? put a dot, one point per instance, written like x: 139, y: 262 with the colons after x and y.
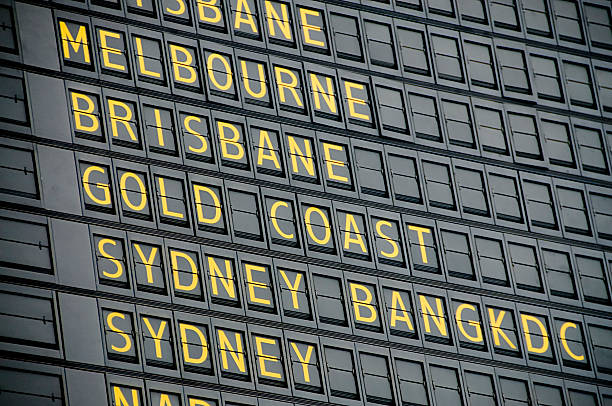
x: 308, y: 192
x: 361, y: 7
x: 352, y: 134
x: 300, y: 58
x: 291, y: 327
x: 304, y: 259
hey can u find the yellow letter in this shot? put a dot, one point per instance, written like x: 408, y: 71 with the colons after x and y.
x: 525, y: 318
x: 126, y: 337
x: 234, y: 141
x: 198, y: 402
x: 141, y: 60
x: 358, y: 305
x: 330, y: 163
x: 266, y: 150
x: 562, y: 334
x: 273, y: 209
x: 382, y: 235
x: 114, y: 260
x: 437, y: 316
x: 187, y: 123
x: 242, y: 7
x: 174, y: 255
x: 420, y: 231
x: 304, y: 360
x: 496, y: 330
x: 159, y: 127
x: 211, y: 72
x: 116, y: 119
x: 179, y: 11
x: 307, y: 27
x: 164, y: 200
x: 290, y: 86
x: 156, y: 335
x: 164, y: 400
x: 460, y: 309
x: 209, y: 5
x: 79, y: 113
x: 197, y: 189
x: 264, y: 357
x: 177, y: 65
x: 398, y: 303
x: 350, y: 227
x: 282, y: 22
x: 102, y: 186
x: 252, y: 284
x: 247, y: 84
x: 226, y: 280
x: 148, y: 262
x: 226, y: 346
x: 107, y: 50
x: 203, y: 344
x: 352, y: 100
x: 293, y: 287
x: 327, y: 93
x: 120, y: 400
x: 325, y: 239
x: 305, y: 157
x: 141, y: 189
x: 75, y: 43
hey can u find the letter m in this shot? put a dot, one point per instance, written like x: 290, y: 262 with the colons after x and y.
x: 71, y: 45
